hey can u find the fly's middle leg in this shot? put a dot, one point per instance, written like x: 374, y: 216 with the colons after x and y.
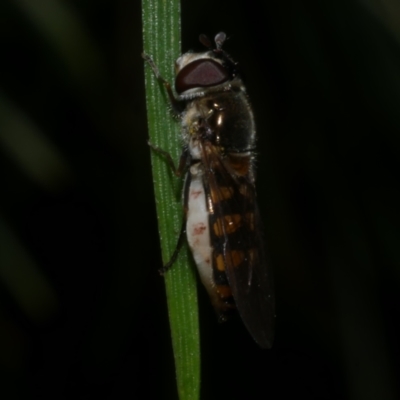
x: 183, y: 161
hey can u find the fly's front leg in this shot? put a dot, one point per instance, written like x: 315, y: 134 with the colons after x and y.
x: 177, y: 107
x: 176, y: 104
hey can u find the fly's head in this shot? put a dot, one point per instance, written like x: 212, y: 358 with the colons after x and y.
x: 200, y: 73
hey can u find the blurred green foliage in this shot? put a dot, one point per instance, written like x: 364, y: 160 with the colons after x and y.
x: 82, y: 308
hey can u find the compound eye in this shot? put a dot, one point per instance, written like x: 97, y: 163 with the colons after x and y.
x: 200, y: 73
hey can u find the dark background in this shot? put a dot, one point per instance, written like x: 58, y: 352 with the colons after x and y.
x: 82, y: 307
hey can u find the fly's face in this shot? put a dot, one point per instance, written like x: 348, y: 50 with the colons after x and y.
x: 199, y: 73
x: 223, y: 225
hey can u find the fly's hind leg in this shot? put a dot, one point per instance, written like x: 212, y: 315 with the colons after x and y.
x: 175, y: 254
x: 184, y: 162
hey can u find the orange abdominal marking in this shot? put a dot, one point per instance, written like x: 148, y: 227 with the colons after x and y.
x: 219, y: 262
x: 241, y: 165
x: 230, y: 223
x: 221, y: 193
x: 224, y: 291
x: 236, y: 256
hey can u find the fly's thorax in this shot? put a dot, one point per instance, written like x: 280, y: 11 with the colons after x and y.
x: 217, y: 109
x: 224, y: 119
x: 231, y: 120
x: 191, y: 121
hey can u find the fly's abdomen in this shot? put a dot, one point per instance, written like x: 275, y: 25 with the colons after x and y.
x: 231, y: 226
x: 198, y: 230
x: 210, y: 266
x: 224, y: 234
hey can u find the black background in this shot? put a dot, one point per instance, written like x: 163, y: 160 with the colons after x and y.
x: 82, y: 307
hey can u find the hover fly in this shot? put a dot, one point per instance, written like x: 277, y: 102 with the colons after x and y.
x: 222, y: 221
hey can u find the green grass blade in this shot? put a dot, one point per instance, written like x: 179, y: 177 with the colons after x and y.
x: 161, y: 38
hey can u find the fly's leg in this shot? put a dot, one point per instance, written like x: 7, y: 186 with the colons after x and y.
x: 183, y: 164
x: 175, y: 254
x: 180, y: 242
x: 183, y: 161
x: 176, y: 105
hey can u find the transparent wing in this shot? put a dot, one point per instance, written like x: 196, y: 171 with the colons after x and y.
x: 236, y: 235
